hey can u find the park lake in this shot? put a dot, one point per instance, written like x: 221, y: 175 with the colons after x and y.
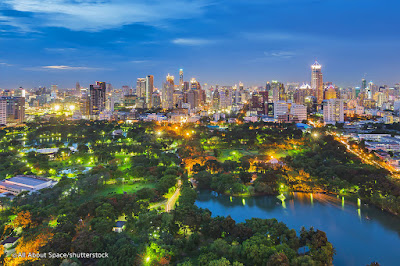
x: 360, y: 234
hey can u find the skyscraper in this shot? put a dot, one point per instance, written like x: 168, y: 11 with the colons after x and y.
x: 97, y: 94
x: 181, y: 78
x: 109, y: 98
x: 215, y: 100
x: 275, y: 87
x: 317, y: 83
x: 168, y: 91
x: 77, y: 88
x: 15, y: 109
x: 3, y: 112
x: 333, y: 111
x: 149, y: 91
x: 84, y: 103
x: 141, y: 87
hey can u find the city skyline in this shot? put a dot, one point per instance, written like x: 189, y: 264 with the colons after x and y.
x: 68, y: 42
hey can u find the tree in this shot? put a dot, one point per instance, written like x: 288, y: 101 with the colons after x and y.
x: 165, y: 183
x: 188, y: 196
x: 278, y: 259
x: 82, y: 148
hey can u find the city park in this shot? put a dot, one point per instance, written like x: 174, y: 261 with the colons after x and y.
x: 146, y: 174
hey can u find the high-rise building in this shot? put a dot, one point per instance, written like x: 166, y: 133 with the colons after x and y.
x: 109, y: 98
x: 194, y: 84
x: 299, y: 112
x: 363, y: 84
x: 333, y: 111
x: 186, y: 86
x: 15, y: 109
x: 216, y: 100
x: 330, y: 93
x: 275, y: 90
x: 280, y: 108
x: 180, y: 78
x: 168, y: 92
x: 317, y: 82
x: 97, y: 96
x: 3, y: 112
x: 126, y: 90
x: 84, y: 103
x: 149, y: 91
x: 282, y: 93
x: 259, y: 103
x: 77, y: 88
x: 141, y: 87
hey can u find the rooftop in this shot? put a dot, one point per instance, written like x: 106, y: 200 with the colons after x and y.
x: 27, y: 181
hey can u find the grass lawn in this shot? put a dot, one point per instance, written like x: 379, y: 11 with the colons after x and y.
x: 119, y: 189
x: 235, y: 154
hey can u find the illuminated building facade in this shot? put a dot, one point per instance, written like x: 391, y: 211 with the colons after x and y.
x: 97, y: 96
x: 317, y: 83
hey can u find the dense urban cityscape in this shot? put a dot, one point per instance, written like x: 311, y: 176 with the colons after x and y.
x: 124, y: 156
x: 210, y: 133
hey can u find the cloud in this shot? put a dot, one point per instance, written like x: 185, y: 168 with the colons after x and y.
x: 280, y: 54
x: 139, y: 61
x: 63, y: 67
x: 5, y: 64
x: 60, y: 50
x: 277, y: 36
x: 13, y: 23
x: 274, y: 56
x: 97, y: 15
x: 191, y: 41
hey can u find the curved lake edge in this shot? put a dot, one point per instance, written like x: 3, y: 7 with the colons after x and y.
x: 332, y: 194
x: 354, y: 231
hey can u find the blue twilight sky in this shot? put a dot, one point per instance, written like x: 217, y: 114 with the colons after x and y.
x: 46, y: 42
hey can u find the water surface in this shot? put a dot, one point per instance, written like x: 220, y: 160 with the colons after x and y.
x: 360, y: 234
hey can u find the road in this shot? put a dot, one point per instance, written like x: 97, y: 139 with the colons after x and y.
x: 365, y: 159
x: 172, y: 200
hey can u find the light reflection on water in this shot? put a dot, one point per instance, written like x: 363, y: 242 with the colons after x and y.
x: 360, y: 233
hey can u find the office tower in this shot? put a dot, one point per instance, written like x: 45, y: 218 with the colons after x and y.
x: 192, y: 98
x: 156, y: 101
x: 194, y: 84
x: 3, y: 112
x: 317, y: 83
x: 141, y: 87
x: 259, y: 103
x: 181, y: 78
x: 216, y: 100
x: 280, y: 108
x: 168, y: 91
x: 333, y: 111
x: 363, y: 85
x: 15, y: 109
x: 97, y: 94
x: 268, y: 88
x: 126, y: 90
x: 149, y: 91
x: 236, y: 93
x: 186, y: 86
x: 275, y: 90
x: 84, y: 103
x: 53, y: 92
x: 330, y: 93
x: 178, y: 98
x: 109, y: 98
x: 299, y: 112
x: 282, y: 92
x: 77, y: 88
